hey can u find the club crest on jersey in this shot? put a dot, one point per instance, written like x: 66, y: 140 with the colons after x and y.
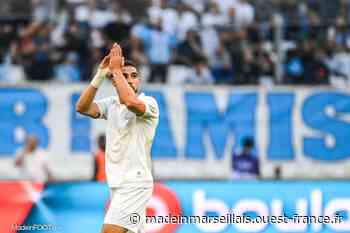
x: 153, y: 109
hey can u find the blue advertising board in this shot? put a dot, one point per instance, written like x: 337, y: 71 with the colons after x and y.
x: 80, y: 207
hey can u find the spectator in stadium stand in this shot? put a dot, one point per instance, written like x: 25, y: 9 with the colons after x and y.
x: 321, y: 73
x: 315, y: 69
x: 249, y: 69
x: 225, y: 6
x: 99, y: 174
x: 307, y: 65
x: 339, y: 62
x: 35, y: 51
x: 197, y: 6
x: 327, y: 10
x: 162, y: 45
x: 187, y: 20
x: 83, y: 27
x: 189, y: 51
x: 76, y: 39
x: 7, y: 37
x: 294, y: 68
x: 266, y: 8
x: 159, y: 49
x: 246, y: 165
x: 32, y: 161
x: 122, y: 20
x: 263, y: 61
x: 69, y: 70
x: 200, y: 74
x: 212, y: 17
x: 220, y: 63
x: 244, y: 14
x: 168, y: 14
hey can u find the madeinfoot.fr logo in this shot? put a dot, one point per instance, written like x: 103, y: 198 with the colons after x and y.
x: 34, y: 227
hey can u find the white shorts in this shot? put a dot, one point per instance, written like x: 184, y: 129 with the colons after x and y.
x: 128, y: 208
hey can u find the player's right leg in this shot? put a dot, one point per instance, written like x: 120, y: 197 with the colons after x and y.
x: 127, y: 210
x: 110, y: 228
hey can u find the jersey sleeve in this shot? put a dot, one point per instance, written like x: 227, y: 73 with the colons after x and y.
x: 104, y: 105
x: 152, y: 110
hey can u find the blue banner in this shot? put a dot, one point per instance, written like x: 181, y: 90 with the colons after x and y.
x: 197, y: 126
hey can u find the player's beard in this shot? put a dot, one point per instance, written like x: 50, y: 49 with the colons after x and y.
x: 134, y: 89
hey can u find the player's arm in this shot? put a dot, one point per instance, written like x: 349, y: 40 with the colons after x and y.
x: 127, y: 96
x: 85, y: 104
x: 19, y: 158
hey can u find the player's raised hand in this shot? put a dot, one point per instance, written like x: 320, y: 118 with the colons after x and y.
x: 104, y: 63
x: 116, y: 59
x: 102, y: 72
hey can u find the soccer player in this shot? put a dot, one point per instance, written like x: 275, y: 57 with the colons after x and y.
x: 132, y: 119
x: 33, y: 162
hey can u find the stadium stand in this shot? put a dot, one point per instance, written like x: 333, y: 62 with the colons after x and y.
x: 233, y: 39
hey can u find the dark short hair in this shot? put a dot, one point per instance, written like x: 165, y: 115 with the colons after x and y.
x: 129, y: 63
x: 248, y: 142
x: 101, y: 141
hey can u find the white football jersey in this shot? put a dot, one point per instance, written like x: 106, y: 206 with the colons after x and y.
x: 128, y: 141
x: 34, y: 166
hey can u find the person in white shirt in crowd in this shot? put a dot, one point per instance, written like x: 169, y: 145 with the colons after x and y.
x: 197, y: 5
x: 339, y: 63
x: 168, y: 16
x: 244, y: 14
x: 200, y: 74
x: 225, y: 5
x: 212, y: 17
x: 240, y: 15
x: 209, y: 35
x: 99, y: 14
x: 187, y: 21
x: 42, y: 10
x: 132, y: 119
x: 210, y: 42
x: 32, y: 161
x: 159, y: 46
x: 220, y: 62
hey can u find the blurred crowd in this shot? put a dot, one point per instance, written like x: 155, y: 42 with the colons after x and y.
x: 209, y: 41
